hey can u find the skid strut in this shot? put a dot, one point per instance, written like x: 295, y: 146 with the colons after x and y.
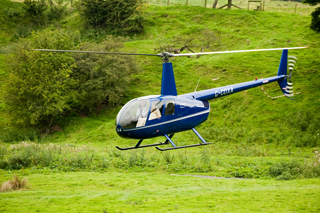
x: 187, y: 146
x: 137, y: 146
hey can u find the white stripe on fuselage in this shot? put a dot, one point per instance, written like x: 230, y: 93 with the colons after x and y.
x: 174, y: 120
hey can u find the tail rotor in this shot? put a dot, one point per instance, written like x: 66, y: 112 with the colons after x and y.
x: 289, y: 88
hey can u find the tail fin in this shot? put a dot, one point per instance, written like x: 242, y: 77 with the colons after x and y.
x: 286, y: 84
x: 283, y: 70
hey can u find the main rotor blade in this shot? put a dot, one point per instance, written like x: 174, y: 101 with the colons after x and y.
x: 237, y: 51
x: 76, y: 51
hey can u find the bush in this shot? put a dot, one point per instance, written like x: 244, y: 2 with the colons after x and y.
x: 101, y: 78
x: 315, y: 22
x: 285, y: 170
x: 35, y: 10
x: 14, y: 134
x: 57, y: 11
x: 37, y: 89
x: 119, y: 16
x: 13, y: 15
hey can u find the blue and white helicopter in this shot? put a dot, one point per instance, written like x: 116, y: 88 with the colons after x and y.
x: 169, y: 113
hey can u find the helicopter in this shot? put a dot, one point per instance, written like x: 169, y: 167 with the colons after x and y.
x: 169, y: 113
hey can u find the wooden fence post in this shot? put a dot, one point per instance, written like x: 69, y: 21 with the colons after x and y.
x: 295, y: 9
x: 205, y: 3
x: 187, y: 2
x: 168, y: 3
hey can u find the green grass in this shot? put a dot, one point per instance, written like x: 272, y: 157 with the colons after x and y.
x: 115, y: 191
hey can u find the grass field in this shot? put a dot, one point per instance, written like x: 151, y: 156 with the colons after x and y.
x: 116, y: 191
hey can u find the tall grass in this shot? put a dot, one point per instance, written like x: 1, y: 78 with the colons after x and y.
x: 68, y: 157
x: 14, y: 184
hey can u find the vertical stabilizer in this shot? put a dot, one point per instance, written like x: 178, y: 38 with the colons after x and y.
x: 283, y: 70
x: 168, y: 84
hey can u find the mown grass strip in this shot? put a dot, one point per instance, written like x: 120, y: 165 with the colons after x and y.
x: 157, y: 192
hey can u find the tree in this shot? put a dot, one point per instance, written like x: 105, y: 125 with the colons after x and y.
x: 315, y: 22
x: 119, y: 16
x: 102, y: 79
x: 38, y: 85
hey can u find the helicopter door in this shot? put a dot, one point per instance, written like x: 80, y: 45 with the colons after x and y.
x: 169, y: 109
x: 156, y: 110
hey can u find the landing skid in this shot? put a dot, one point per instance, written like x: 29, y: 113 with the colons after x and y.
x: 137, y: 146
x: 181, y: 147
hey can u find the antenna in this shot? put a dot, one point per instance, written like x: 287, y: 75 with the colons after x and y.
x: 197, y: 85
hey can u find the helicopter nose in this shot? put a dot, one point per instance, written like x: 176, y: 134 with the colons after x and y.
x: 119, y: 130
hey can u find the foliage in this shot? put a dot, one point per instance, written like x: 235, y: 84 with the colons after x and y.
x: 69, y: 157
x: 315, y: 22
x: 13, y: 15
x: 37, y: 89
x: 287, y: 170
x: 57, y: 11
x: 19, y: 134
x: 102, y: 78
x: 35, y: 10
x: 119, y: 16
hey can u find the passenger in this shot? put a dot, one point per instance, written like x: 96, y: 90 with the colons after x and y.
x: 155, y: 112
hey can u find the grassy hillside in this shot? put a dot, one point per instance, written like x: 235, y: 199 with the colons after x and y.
x: 240, y: 121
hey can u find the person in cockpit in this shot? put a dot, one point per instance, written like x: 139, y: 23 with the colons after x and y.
x: 141, y: 114
x: 155, y: 112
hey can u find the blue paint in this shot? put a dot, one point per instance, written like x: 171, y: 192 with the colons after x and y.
x: 169, y: 139
x: 283, y: 70
x: 196, y: 132
x: 168, y: 84
x: 227, y: 90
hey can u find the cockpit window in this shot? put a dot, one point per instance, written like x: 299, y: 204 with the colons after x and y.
x: 156, y: 110
x: 135, y: 115
x: 169, y: 108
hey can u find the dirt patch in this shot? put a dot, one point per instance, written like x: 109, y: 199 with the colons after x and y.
x: 203, y: 176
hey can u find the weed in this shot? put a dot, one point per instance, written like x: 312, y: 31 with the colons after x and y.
x: 168, y: 157
x: 14, y: 184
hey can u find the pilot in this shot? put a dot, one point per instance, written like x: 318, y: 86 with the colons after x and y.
x: 141, y: 114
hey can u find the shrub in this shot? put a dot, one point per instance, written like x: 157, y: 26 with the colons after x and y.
x: 35, y: 11
x: 282, y: 169
x: 119, y: 16
x: 285, y: 176
x: 101, y: 78
x: 15, y: 134
x: 315, y: 22
x: 13, y: 15
x: 38, y: 84
x: 57, y: 11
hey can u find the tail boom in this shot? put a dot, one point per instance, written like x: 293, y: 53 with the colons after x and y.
x: 230, y: 89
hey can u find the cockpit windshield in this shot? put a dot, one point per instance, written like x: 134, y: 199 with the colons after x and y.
x: 135, y: 115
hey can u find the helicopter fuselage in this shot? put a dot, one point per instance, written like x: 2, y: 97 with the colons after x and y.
x: 174, y: 114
